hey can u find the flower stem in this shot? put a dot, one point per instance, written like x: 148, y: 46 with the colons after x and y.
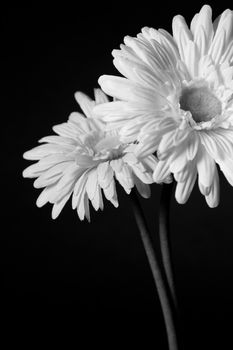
x: 163, y: 291
x: 164, y: 236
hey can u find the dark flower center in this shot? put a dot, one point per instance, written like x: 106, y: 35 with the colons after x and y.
x: 201, y: 102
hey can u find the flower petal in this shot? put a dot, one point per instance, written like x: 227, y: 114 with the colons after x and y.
x: 100, y: 96
x: 110, y: 193
x: 142, y: 188
x: 46, y: 150
x: 85, y: 103
x: 202, y: 29
x: 91, y: 184
x: 184, y: 189
x: 162, y: 171
x: 205, y: 168
x: 58, y: 206
x: 213, y: 197
x: 126, y: 90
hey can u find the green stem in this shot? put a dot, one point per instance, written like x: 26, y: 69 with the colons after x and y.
x: 164, y: 235
x: 163, y: 292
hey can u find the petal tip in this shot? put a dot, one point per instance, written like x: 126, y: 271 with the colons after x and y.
x: 102, y: 81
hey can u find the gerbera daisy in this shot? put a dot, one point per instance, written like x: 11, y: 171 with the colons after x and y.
x: 176, y: 99
x: 84, y: 159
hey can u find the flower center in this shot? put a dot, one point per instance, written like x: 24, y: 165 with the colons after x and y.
x: 200, y: 102
x: 109, y: 146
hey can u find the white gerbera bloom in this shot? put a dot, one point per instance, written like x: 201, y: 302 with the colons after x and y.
x: 83, y: 159
x: 177, y: 99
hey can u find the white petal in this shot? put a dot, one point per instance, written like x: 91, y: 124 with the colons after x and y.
x: 102, y: 170
x: 206, y: 66
x: 139, y: 49
x: 118, y: 112
x: 37, y: 169
x: 114, y: 107
x: 40, y: 182
x: 194, y: 23
x: 84, y: 160
x: 142, y: 188
x: 150, y: 162
x: 164, y: 59
x: 168, y: 42
x: 46, y: 150
x: 210, y: 145
x: 162, y: 171
x: 218, y: 143
x: 130, y: 131
x: 87, y: 207
x: 33, y: 170
x: 69, y: 175
x: 58, y: 206
x: 143, y: 76
x: 111, y: 194
x: 203, y: 29
x: 80, y: 122
x: 100, y: 96
x: 66, y: 183
x: 224, y: 141
x: 227, y: 56
x: 85, y: 103
x: 191, y: 58
x: 91, y: 185
x: 128, y: 68
x: 213, y: 197
x: 108, y: 178
x: 129, y: 53
x: 179, y: 161
x: 116, y: 164
x: 125, y: 178
x: 97, y: 200
x: 182, y: 175
x: 217, y: 47
x: 184, y: 189
x: 130, y: 158
x: 226, y: 166
x: 205, y: 168
x: 82, y: 205
x: 149, y: 54
x: 78, y: 190
x: 126, y: 90
x: 51, y: 175
x: 173, y: 142
x: 45, y: 196
x: 59, y: 140
x: 166, y: 142
x: 142, y: 174
x: 148, y: 145
x: 225, y: 23
x: 181, y: 34
x: 227, y: 74
x: 65, y: 130
x: 201, y: 41
x: 192, y: 147
x: 203, y: 189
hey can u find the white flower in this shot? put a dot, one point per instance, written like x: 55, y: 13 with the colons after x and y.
x: 83, y: 160
x: 177, y: 99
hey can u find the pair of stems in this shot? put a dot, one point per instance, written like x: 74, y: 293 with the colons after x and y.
x: 163, y: 278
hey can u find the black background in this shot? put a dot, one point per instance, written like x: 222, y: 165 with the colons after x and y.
x: 95, y: 277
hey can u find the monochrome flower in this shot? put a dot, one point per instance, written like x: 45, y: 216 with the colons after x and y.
x: 176, y: 99
x: 83, y: 160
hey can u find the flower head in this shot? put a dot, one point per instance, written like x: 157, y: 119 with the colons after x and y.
x: 177, y: 99
x: 83, y: 159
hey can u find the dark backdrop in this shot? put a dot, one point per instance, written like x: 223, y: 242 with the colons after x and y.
x: 71, y: 272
